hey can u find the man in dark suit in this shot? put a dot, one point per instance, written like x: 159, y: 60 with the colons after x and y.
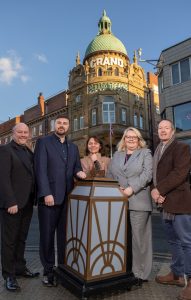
x: 16, y: 202
x: 171, y: 191
x: 57, y: 161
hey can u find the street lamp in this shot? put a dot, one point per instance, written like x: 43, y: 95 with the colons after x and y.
x: 153, y: 62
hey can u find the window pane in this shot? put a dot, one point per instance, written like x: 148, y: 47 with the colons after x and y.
x: 111, y: 106
x: 105, y: 117
x: 123, y: 115
x: 105, y: 107
x: 182, y: 116
x: 112, y: 117
x: 135, y: 120
x: 175, y: 74
x: 185, y: 70
x: 141, y: 122
x: 94, y: 117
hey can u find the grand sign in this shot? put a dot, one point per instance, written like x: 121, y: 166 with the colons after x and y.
x: 102, y: 86
x: 110, y: 61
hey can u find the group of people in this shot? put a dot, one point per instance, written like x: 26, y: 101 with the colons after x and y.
x: 47, y: 177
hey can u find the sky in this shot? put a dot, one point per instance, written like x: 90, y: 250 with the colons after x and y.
x: 39, y: 40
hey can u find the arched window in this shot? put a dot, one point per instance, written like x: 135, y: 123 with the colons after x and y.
x: 94, y: 117
x: 100, y: 72
x: 135, y: 120
x: 116, y: 71
x: 141, y: 122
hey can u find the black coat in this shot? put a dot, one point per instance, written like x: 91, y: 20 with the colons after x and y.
x: 16, y: 177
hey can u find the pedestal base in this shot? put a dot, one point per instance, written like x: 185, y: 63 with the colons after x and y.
x: 84, y: 289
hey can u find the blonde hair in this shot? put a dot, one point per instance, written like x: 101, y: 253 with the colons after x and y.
x: 141, y: 142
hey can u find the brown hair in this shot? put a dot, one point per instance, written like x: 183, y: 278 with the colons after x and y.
x: 97, y: 140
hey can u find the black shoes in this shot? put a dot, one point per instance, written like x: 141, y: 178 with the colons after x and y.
x: 28, y: 274
x: 11, y: 284
x: 49, y: 280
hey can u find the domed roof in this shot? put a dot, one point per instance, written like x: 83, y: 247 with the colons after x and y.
x: 105, y: 40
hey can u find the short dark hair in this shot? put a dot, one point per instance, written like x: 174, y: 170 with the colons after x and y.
x: 62, y: 117
x: 171, y: 123
x: 98, y: 140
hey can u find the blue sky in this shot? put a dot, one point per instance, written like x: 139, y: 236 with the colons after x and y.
x: 39, y: 40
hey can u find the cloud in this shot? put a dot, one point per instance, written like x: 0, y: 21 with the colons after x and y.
x: 11, y: 68
x: 42, y: 58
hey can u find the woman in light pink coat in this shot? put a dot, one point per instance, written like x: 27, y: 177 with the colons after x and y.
x: 94, y: 159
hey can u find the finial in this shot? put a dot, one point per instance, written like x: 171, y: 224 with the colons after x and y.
x: 135, y: 58
x: 78, y: 59
x: 104, y: 13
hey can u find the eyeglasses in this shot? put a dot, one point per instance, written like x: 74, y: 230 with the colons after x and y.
x: 133, y: 138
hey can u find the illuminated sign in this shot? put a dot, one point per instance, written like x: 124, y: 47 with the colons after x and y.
x: 102, y: 86
x: 109, y: 61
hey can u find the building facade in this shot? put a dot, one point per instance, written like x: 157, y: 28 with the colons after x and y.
x: 106, y: 94
x: 175, y: 87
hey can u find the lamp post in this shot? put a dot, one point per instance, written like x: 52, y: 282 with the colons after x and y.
x: 157, y: 63
x: 153, y: 62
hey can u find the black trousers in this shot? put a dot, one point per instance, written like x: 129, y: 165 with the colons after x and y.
x: 52, y: 221
x: 14, y: 231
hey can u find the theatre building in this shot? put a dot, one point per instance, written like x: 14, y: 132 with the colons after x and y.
x: 106, y: 94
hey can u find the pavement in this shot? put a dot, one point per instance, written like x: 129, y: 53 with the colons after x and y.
x: 32, y: 289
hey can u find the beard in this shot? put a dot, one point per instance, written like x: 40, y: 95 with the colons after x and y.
x: 61, y: 131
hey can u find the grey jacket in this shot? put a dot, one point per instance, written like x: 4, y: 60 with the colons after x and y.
x: 137, y: 173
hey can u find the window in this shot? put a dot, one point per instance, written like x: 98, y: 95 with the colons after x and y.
x: 94, y: 117
x: 52, y: 122
x: 137, y: 97
x: 181, y: 71
x: 99, y: 72
x: 33, y: 131
x: 108, y: 109
x: 161, y: 82
x: 40, y: 129
x: 116, y: 72
x: 141, y: 121
x: 123, y: 115
x: 81, y: 122
x: 135, y: 120
x: 78, y: 98
x: 75, y: 124
x: 182, y: 116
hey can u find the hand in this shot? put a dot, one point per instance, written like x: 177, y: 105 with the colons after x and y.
x: 49, y: 200
x: 13, y: 209
x: 81, y: 175
x: 161, y: 199
x: 128, y: 191
x: 155, y: 195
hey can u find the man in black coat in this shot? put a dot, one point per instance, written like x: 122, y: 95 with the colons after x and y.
x: 57, y: 161
x: 16, y: 201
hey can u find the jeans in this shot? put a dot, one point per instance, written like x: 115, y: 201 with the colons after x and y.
x: 179, y: 238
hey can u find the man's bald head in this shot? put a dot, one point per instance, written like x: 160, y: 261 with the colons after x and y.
x: 21, y: 133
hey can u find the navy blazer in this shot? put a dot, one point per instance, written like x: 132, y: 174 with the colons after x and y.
x: 55, y: 175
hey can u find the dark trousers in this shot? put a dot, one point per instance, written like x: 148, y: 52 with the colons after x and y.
x: 52, y: 220
x: 179, y: 238
x: 14, y: 231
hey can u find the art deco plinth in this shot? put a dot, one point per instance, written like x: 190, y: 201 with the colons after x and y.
x: 96, y: 239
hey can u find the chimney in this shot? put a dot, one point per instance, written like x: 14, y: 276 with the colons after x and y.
x: 41, y: 103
